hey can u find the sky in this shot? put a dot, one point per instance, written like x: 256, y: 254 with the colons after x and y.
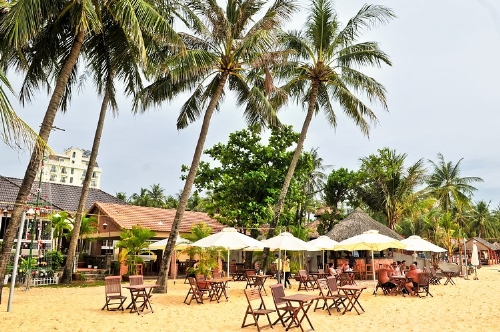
x: 442, y: 89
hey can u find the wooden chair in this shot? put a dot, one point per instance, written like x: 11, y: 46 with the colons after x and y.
x: 284, y: 309
x: 139, y: 269
x: 194, y: 292
x: 216, y: 274
x: 423, y: 284
x: 113, y: 293
x: 334, y: 292
x: 368, y: 272
x: 324, y: 295
x: 203, y: 285
x: 256, y: 308
x: 136, y: 280
x: 305, y: 281
x: 434, y: 278
x: 249, y: 279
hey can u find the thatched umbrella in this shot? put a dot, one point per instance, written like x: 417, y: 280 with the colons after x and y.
x: 357, y: 223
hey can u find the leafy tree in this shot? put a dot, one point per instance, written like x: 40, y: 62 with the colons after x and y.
x: 247, y: 182
x: 328, y: 68
x: 132, y: 241
x: 340, y: 189
x: 222, y: 48
x: 446, y: 184
x: 389, y: 187
x: 122, y: 195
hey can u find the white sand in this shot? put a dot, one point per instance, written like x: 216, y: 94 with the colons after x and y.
x: 470, y: 305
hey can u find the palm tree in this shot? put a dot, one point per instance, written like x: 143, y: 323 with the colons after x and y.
x: 61, y: 226
x: 122, y: 195
x: 389, y: 186
x: 327, y: 67
x: 141, y: 199
x: 111, y: 53
x: 132, y: 241
x: 446, y: 184
x: 481, y: 222
x: 221, y: 49
x: 157, y: 196
x: 36, y: 32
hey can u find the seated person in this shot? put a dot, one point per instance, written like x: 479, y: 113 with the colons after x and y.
x: 345, y: 267
x: 384, y: 277
x: 331, y: 270
x: 394, y: 269
x: 413, y: 284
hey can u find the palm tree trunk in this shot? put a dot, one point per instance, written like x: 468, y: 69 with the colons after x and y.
x: 165, y: 262
x: 36, y: 155
x: 291, y: 169
x: 75, y: 235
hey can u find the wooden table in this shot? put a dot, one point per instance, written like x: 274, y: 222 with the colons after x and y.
x: 218, y: 287
x: 449, y: 275
x: 140, y: 294
x: 305, y: 301
x: 352, y: 292
x: 258, y: 280
x: 350, y: 278
x: 400, y: 282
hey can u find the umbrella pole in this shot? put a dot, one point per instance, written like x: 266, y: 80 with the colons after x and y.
x: 373, y: 272
x: 466, y: 265
x: 279, y: 266
x: 227, y: 264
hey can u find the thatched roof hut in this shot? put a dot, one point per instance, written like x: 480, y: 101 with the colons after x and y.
x: 356, y: 223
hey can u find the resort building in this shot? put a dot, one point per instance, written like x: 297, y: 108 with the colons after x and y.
x: 70, y: 168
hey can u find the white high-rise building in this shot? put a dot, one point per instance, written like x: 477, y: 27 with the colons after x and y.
x: 70, y: 168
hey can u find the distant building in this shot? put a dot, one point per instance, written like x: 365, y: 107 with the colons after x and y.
x: 70, y: 168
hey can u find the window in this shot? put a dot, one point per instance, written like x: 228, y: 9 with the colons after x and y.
x: 63, y: 170
x: 74, y: 154
x: 52, y: 178
x: 92, y: 183
x: 52, y: 168
x: 72, y: 171
x: 63, y: 179
x: 71, y: 180
x: 94, y: 175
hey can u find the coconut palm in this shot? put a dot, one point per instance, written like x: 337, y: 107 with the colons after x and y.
x: 110, y: 54
x: 61, y: 227
x: 389, y: 186
x: 49, y: 36
x: 481, y: 222
x: 327, y: 69
x: 446, y: 184
x: 221, y: 49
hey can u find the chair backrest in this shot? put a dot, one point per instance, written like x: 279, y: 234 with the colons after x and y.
x: 423, y: 278
x: 136, y: 280
x: 113, y: 285
x: 323, y: 287
x: 303, y: 274
x: 278, y: 292
x: 321, y: 270
x: 332, y: 284
x: 249, y: 272
x: 200, y: 277
x: 216, y: 274
x: 254, y: 299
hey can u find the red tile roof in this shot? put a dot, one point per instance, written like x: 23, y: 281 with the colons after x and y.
x: 156, y: 219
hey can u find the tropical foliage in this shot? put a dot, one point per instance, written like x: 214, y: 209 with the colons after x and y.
x: 132, y: 241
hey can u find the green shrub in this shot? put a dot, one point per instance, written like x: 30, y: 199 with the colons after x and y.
x: 55, y: 259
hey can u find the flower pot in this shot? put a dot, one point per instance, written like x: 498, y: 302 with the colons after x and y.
x: 89, y: 266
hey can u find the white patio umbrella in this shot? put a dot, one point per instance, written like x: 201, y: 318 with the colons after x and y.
x: 323, y: 243
x: 474, y: 260
x: 370, y: 240
x: 180, y: 243
x: 416, y: 243
x: 230, y: 239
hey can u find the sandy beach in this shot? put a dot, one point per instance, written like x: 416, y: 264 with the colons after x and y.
x: 470, y: 305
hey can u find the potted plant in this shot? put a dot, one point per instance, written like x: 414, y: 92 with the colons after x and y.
x: 132, y: 241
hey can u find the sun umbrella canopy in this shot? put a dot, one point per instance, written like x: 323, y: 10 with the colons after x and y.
x: 160, y: 245
x: 416, y: 243
x: 286, y: 241
x: 323, y: 243
x: 369, y: 240
x: 229, y: 238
